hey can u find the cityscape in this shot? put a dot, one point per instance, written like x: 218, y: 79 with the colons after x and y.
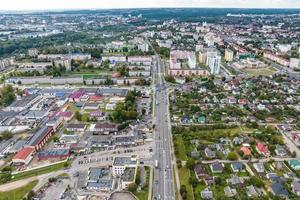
x: 150, y: 103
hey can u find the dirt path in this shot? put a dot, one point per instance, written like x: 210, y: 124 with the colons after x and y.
x: 16, y: 184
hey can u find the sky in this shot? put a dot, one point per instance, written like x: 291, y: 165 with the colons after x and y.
x: 103, y: 4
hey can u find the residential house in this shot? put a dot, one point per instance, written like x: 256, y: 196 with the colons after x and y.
x: 235, y: 180
x: 237, y: 167
x: 206, y: 194
x: 209, y: 153
x: 195, y: 154
x: 277, y: 189
x: 295, y: 164
x: 230, y: 192
x: 217, y: 167
x: 296, y: 187
x: 200, y: 171
x: 259, y: 167
x: 246, y: 151
x: 280, y: 151
x: 262, y: 149
x: 238, y: 140
x: 253, y: 191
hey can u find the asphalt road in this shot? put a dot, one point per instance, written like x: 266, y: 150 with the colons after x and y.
x: 163, y: 173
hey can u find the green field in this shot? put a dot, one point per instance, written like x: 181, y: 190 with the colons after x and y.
x: 18, y: 193
x: 37, y: 172
x: 184, y: 175
x: 180, y: 147
x: 143, y: 193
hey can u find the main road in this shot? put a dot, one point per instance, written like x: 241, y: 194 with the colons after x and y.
x: 163, y: 173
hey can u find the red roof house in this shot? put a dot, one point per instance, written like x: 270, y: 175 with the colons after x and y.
x: 262, y: 149
x: 24, y: 156
x: 246, y: 151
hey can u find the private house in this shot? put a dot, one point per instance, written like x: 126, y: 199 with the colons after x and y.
x: 277, y: 189
x: 262, y: 149
x: 230, y: 192
x: 246, y: 151
x: 206, y: 194
x: 217, y: 167
x: 295, y: 185
x: 195, y: 153
x: 200, y: 171
x: 253, y: 192
x: 280, y: 151
x: 235, y: 180
x: 237, y: 167
x: 259, y: 167
x: 295, y: 164
x: 209, y: 153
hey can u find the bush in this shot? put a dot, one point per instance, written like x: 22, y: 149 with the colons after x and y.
x: 232, y: 156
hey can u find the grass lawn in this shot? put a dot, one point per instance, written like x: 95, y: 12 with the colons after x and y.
x: 73, y: 108
x: 263, y: 71
x: 143, y: 193
x: 18, y: 193
x: 184, y: 175
x: 180, y: 147
x: 39, y: 171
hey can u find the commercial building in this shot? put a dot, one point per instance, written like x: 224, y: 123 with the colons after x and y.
x: 24, y: 156
x: 54, y: 154
x: 39, y: 139
x: 121, y: 163
x: 229, y: 55
x: 295, y: 63
x: 98, y: 179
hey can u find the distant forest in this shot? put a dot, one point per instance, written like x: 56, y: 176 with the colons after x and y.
x: 182, y: 13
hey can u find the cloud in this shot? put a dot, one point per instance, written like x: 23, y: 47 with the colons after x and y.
x: 86, y: 4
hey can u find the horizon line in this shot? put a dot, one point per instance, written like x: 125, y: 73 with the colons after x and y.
x: 130, y: 8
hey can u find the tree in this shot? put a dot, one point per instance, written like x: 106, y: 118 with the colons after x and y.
x: 6, y: 135
x: 256, y: 181
x: 232, y: 156
x: 193, y: 181
x: 7, y: 95
x: 170, y: 79
x: 190, y: 163
x: 132, y: 187
x: 30, y: 195
x: 77, y: 115
x: 55, y: 138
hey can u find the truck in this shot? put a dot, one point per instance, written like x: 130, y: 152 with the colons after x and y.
x: 156, y: 163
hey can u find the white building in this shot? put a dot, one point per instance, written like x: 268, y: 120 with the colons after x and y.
x: 295, y: 63
x: 121, y: 163
x: 214, y: 63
